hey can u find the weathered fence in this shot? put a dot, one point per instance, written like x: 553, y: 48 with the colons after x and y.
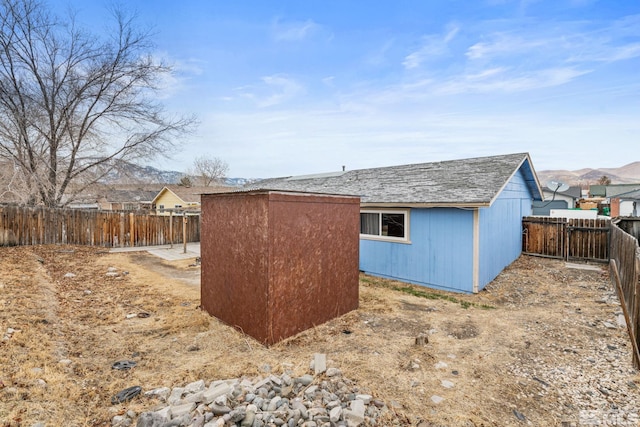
x: 625, y: 272
x: 569, y: 239
x: 21, y: 225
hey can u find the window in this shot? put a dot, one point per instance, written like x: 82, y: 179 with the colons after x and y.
x: 161, y: 207
x: 384, y: 225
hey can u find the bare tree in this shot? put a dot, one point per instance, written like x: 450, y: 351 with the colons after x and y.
x: 604, y: 180
x: 209, y: 170
x: 72, y: 106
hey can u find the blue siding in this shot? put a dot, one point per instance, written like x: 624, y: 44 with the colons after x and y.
x: 440, y: 254
x: 501, y: 229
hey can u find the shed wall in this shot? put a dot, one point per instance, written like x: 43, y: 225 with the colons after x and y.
x: 314, y: 274
x: 440, y: 254
x: 234, y: 248
x: 501, y: 229
x: 275, y: 264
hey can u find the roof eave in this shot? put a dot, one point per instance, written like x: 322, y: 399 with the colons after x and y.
x: 459, y: 205
x: 537, y: 187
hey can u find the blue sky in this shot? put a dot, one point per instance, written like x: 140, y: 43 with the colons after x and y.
x: 298, y: 87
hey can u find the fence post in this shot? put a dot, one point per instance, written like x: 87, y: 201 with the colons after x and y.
x: 184, y: 233
x: 171, y: 229
x: 121, y: 229
x: 132, y: 229
x: 636, y: 306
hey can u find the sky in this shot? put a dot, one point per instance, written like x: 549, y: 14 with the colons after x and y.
x: 301, y: 87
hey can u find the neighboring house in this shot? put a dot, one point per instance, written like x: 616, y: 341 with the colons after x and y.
x: 179, y: 199
x: 560, y: 200
x: 608, y: 195
x: 126, y: 200
x: 452, y: 225
x: 626, y: 204
x: 611, y: 190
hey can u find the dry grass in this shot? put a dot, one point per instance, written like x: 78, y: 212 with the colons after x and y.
x: 91, y: 319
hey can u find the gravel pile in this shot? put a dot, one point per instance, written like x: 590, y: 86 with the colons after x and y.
x: 321, y: 398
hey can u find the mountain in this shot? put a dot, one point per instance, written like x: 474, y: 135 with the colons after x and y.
x: 628, y: 174
x: 130, y: 173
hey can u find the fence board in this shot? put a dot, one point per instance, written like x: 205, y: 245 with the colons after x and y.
x: 22, y: 225
x: 625, y: 269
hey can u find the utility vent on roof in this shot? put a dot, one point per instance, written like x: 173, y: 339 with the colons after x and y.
x: 317, y: 175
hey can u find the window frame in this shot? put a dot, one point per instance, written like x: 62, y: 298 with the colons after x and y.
x: 380, y: 237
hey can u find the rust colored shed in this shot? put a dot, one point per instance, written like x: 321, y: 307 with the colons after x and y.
x: 275, y: 263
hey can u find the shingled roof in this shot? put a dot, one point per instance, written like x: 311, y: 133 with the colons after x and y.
x: 472, y: 182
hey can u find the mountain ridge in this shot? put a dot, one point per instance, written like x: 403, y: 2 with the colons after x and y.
x: 627, y: 174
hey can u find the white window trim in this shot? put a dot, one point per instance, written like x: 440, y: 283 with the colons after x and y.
x: 404, y: 239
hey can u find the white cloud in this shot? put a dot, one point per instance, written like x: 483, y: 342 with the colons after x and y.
x: 432, y: 46
x: 379, y: 56
x: 501, y: 80
x: 505, y: 44
x: 293, y: 31
x: 555, y: 43
x: 273, y: 90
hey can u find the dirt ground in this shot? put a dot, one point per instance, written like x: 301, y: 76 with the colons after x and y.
x: 539, y: 346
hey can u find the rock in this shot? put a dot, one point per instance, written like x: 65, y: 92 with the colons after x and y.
x: 249, y: 417
x: 161, y: 394
x: 274, y: 403
x: 151, y: 419
x: 69, y: 276
x: 441, y: 365
x: 194, y: 387
x: 332, y: 372
x: 446, y: 384
x: 305, y: 380
x: 180, y: 410
x: 175, y: 396
x: 219, y: 409
x: 437, y: 399
x: 216, y: 391
x: 519, y: 415
x: 335, y: 414
x: 366, y: 398
x: 120, y: 421
x: 319, y: 363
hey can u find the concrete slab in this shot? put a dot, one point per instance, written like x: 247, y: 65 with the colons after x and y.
x: 585, y: 266
x: 166, y: 251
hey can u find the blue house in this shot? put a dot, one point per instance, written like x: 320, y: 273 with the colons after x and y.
x: 451, y: 225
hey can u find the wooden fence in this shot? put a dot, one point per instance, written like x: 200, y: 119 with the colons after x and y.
x: 21, y: 225
x: 624, y: 267
x: 568, y: 239
x: 594, y: 240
